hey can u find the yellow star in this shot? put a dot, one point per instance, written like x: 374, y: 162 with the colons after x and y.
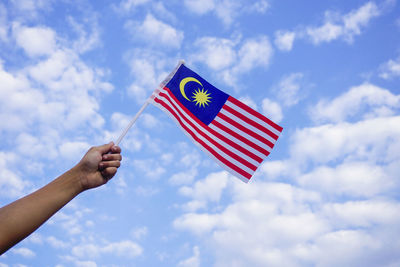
x: 201, y: 97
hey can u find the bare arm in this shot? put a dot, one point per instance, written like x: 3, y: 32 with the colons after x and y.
x: 20, y: 218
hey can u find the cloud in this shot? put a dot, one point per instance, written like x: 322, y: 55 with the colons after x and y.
x: 129, y: 5
x: 272, y: 110
x: 24, y: 252
x: 232, y: 58
x: 35, y: 41
x: 335, y: 26
x: 226, y: 10
x: 348, y: 26
x: 193, y: 261
x: 216, y: 53
x: 284, y: 40
x: 377, y: 101
x: 290, y: 89
x: 11, y: 184
x: 155, y: 32
x: 203, y: 191
x: 390, y: 69
x: 124, y: 249
x: 342, y: 193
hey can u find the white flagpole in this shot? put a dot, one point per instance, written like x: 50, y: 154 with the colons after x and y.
x: 166, y: 80
x: 132, y: 122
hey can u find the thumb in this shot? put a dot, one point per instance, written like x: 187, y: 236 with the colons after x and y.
x: 105, y: 148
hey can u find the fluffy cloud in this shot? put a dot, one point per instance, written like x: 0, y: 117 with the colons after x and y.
x: 340, y: 174
x: 125, y: 249
x: 335, y: 26
x: 272, y: 110
x: 390, y: 69
x: 155, y: 32
x: 35, y: 41
x: 193, y: 261
x: 226, y: 10
x: 233, y: 57
x: 376, y: 100
x: 289, y: 89
x: 348, y: 26
x: 24, y: 252
x: 284, y: 40
x: 11, y: 184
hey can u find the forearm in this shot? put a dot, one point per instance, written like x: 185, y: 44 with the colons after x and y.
x: 22, y: 217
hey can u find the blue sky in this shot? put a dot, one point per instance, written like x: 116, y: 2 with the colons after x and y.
x: 73, y: 73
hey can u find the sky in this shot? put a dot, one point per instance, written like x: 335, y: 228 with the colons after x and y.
x: 73, y: 73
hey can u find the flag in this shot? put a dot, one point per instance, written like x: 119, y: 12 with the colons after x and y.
x: 233, y: 134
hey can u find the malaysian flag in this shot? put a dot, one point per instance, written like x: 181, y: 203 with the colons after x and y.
x: 235, y: 135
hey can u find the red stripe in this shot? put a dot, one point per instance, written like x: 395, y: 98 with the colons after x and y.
x: 250, y: 121
x: 213, y: 132
x: 254, y: 113
x: 209, y: 149
x: 221, y: 147
x: 239, y: 137
x: 246, y: 130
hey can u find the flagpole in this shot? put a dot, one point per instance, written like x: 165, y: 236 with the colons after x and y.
x: 132, y: 122
x: 166, y: 80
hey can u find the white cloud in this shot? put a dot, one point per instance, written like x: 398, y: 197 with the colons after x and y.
x: 284, y: 40
x: 124, y: 249
x: 349, y: 25
x: 11, y: 184
x: 343, y: 194
x: 24, y: 252
x: 139, y: 232
x: 200, y: 7
x: 151, y: 168
x: 390, y: 69
x: 149, y: 68
x: 128, y: 5
x: 87, y: 39
x: 352, y: 179
x: 232, y: 58
x: 184, y: 177
x: 56, y: 243
x: 35, y: 41
x: 254, y: 53
x: 85, y: 264
x: 378, y: 101
x: 193, y: 261
x: 73, y: 151
x: 208, y: 189
x: 272, y: 110
x: 226, y: 10
x: 155, y: 32
x: 335, y: 26
x: 290, y: 89
x: 217, y: 53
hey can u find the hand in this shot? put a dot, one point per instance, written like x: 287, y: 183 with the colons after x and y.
x: 99, y: 165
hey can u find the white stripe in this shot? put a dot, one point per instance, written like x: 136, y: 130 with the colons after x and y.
x: 214, y: 137
x: 216, y: 149
x: 248, y: 126
x: 233, y: 172
x: 237, y: 141
x: 254, y: 118
x: 244, y: 135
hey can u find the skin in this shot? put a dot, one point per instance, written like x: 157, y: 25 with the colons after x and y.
x: 23, y: 216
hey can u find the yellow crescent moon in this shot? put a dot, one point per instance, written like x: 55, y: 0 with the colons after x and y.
x: 184, y: 82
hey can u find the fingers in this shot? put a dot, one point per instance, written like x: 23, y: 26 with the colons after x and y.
x: 109, y: 157
x: 107, y: 164
x: 105, y: 148
x: 108, y: 173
